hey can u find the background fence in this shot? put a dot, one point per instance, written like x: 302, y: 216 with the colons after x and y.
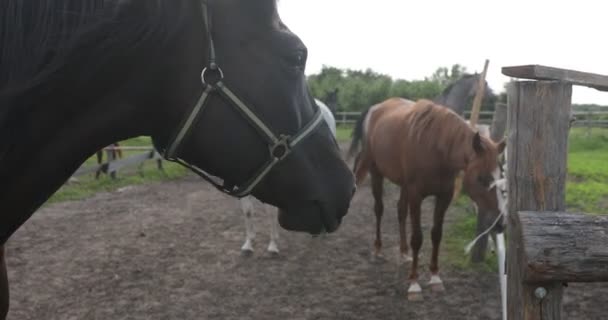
x: 591, y: 119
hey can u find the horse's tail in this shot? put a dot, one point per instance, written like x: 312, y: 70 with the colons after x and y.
x: 358, y: 135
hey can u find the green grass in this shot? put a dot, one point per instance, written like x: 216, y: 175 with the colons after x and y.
x: 459, y: 234
x: 86, y: 186
x: 343, y: 133
x: 587, y: 186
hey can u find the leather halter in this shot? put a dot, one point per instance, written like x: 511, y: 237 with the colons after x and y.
x: 279, y: 146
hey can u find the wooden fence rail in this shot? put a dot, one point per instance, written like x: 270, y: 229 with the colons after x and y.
x: 589, y: 119
x: 582, y: 258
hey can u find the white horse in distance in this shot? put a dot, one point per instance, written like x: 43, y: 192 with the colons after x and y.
x: 247, y: 203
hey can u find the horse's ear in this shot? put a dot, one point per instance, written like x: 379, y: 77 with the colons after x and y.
x: 501, y: 146
x: 477, y: 144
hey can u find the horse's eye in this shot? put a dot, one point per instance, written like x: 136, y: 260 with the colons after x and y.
x: 298, y: 59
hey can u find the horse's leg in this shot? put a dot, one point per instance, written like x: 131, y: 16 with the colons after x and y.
x: 458, y: 185
x: 4, y: 296
x: 377, y: 191
x: 402, y: 212
x: 247, y: 208
x: 118, y: 151
x: 442, y: 203
x: 414, y: 293
x: 274, y: 235
x: 99, y: 160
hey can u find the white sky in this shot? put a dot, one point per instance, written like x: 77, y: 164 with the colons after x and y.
x: 410, y: 39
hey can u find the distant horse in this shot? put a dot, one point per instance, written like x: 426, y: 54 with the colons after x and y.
x: 219, y: 85
x: 247, y: 203
x: 421, y: 146
x: 332, y: 100
x: 113, y: 153
x: 455, y: 96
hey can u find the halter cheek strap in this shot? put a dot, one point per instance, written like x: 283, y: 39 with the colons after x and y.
x: 279, y: 147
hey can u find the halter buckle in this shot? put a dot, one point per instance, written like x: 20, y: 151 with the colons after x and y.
x: 213, y: 69
x: 280, y: 149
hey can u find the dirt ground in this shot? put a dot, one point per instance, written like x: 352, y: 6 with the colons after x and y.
x: 172, y: 251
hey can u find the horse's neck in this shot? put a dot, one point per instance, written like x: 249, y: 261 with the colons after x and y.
x: 455, y: 99
x: 51, y: 147
x: 458, y: 146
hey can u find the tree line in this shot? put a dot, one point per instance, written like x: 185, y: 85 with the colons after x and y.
x: 354, y: 90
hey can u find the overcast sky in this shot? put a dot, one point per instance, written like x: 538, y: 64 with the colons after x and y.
x: 409, y: 39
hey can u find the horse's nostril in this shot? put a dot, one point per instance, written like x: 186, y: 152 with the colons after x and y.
x: 354, y: 190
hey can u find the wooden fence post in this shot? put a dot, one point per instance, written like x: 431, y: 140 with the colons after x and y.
x: 539, y: 116
x: 499, y: 122
x: 481, y: 88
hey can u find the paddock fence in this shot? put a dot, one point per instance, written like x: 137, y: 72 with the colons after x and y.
x: 595, y: 118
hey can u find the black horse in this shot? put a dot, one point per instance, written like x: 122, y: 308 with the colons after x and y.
x: 78, y: 75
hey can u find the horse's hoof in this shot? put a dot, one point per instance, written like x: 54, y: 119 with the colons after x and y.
x: 415, y: 296
x: 247, y: 249
x: 273, y: 254
x: 273, y: 249
x: 414, y: 293
x: 436, y: 284
x: 437, y: 287
x: 378, y: 257
x: 405, y: 258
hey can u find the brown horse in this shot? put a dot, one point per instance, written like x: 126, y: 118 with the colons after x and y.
x: 421, y: 146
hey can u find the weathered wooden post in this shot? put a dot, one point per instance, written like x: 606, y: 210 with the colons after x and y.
x: 499, y: 122
x: 537, y: 157
x: 544, y: 249
x: 481, y: 88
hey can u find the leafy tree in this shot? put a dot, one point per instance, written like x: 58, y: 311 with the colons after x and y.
x: 359, y: 89
x: 445, y: 76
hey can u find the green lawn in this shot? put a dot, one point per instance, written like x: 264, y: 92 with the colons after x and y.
x: 587, y: 188
x: 343, y: 132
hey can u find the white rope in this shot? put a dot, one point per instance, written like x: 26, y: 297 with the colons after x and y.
x: 468, y: 248
x: 500, y: 185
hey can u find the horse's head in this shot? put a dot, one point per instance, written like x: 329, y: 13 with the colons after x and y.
x: 262, y: 63
x: 481, y: 175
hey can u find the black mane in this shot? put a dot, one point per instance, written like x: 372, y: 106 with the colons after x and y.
x: 46, y: 46
x: 450, y: 86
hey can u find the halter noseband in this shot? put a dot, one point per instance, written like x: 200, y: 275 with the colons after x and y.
x: 279, y: 146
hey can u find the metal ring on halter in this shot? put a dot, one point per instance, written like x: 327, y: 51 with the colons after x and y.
x: 216, y: 69
x: 281, y: 147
